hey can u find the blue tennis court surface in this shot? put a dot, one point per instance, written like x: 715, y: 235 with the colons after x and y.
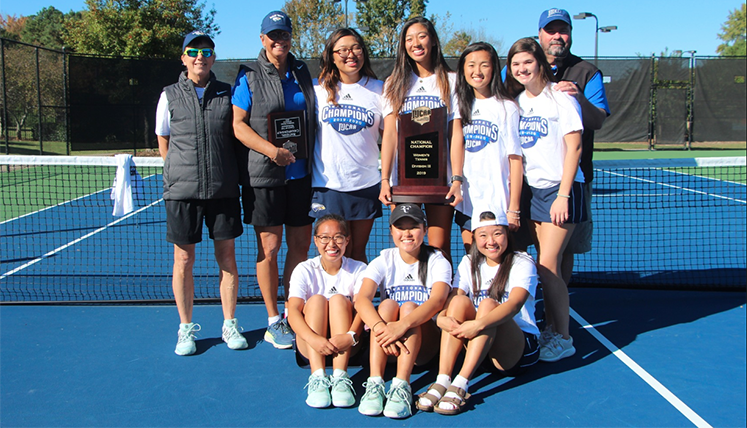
x: 679, y: 361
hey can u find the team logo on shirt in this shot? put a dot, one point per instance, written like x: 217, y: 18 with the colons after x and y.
x: 483, y: 294
x: 479, y: 134
x: 531, y: 129
x: 347, y: 119
x: 430, y: 101
x: 408, y: 293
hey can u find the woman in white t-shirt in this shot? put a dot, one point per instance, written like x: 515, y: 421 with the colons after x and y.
x: 492, y: 314
x: 413, y: 281
x: 320, y: 311
x: 346, y: 178
x: 550, y: 130
x: 493, y: 171
x: 420, y: 77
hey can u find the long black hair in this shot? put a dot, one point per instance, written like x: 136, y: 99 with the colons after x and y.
x: 498, y: 286
x: 466, y: 93
x: 329, y: 75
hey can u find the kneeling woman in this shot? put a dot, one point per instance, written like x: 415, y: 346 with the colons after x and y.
x: 492, y: 314
x: 414, y: 282
x: 320, y: 311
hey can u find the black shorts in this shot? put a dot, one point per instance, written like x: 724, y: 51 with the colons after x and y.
x: 528, y: 359
x: 184, y: 220
x: 276, y: 206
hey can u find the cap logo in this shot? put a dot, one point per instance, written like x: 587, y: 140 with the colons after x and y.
x: 199, y: 33
x: 276, y: 17
x: 553, y: 12
x: 405, y: 208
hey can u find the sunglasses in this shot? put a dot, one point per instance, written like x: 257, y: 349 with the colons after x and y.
x: 192, y: 53
x: 279, y: 35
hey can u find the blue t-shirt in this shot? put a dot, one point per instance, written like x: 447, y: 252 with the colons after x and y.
x: 294, y: 100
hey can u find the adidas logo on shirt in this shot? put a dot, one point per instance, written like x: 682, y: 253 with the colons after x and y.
x: 531, y: 110
x: 477, y: 112
x: 347, y: 97
x: 409, y: 278
x: 333, y: 290
x: 421, y: 90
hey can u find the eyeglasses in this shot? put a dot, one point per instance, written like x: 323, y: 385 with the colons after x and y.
x: 192, y: 52
x: 324, y: 239
x: 279, y: 35
x: 344, y: 52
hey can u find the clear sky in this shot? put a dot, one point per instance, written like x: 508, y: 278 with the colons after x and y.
x: 644, y: 27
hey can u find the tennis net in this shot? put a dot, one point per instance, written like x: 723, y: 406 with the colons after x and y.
x: 669, y: 223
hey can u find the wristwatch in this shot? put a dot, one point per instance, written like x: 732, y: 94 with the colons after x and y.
x: 355, y: 339
x: 458, y: 178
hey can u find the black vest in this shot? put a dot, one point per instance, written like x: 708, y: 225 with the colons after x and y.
x: 267, y: 97
x: 201, y: 160
x: 574, y: 69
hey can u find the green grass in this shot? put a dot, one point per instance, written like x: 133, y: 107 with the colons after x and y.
x: 28, y: 189
x: 734, y: 174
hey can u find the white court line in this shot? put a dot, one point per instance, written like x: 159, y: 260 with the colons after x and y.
x: 71, y: 243
x: 643, y: 374
x: 686, y: 189
x: 54, y: 206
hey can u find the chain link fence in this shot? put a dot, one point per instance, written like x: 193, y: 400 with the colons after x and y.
x: 55, y: 102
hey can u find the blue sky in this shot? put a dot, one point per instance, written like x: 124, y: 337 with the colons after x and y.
x: 645, y: 27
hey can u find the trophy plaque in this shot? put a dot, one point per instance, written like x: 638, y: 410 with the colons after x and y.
x: 422, y: 154
x: 287, y: 129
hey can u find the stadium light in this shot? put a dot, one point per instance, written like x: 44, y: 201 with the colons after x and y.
x: 597, y: 30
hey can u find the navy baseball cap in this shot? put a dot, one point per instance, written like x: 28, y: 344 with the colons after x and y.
x: 551, y: 15
x: 412, y: 211
x: 276, y: 20
x: 189, y: 38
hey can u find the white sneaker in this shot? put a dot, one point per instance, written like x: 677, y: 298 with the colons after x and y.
x: 557, y: 349
x: 185, y: 344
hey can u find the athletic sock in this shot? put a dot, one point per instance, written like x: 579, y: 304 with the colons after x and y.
x: 443, y: 380
x: 397, y: 382
x: 273, y: 320
x: 320, y: 373
x: 459, y: 382
x: 339, y: 373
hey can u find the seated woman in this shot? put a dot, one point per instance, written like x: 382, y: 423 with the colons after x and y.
x: 491, y: 314
x: 414, y: 282
x: 320, y: 311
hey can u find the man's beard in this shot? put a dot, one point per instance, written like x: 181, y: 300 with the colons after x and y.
x: 557, y: 50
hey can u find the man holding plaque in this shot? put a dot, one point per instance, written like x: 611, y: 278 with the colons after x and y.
x: 273, y: 105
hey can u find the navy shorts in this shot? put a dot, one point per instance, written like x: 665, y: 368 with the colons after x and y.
x: 462, y: 220
x: 583, y: 233
x: 184, y: 220
x: 529, y: 358
x: 360, y: 204
x: 278, y: 206
x: 539, y: 201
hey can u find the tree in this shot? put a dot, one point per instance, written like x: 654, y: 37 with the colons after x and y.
x: 384, y: 20
x: 734, y: 34
x: 46, y: 27
x: 142, y: 28
x: 313, y: 21
x: 11, y: 26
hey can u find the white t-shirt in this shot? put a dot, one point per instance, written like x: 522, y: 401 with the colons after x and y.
x: 399, y: 281
x: 489, y: 139
x: 424, y: 91
x: 346, y: 154
x: 309, y: 279
x: 523, y: 275
x: 545, y: 120
x: 163, y: 118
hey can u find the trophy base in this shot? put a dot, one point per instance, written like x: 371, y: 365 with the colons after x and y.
x: 421, y: 195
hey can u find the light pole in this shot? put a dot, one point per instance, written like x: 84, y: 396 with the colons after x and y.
x: 346, y: 8
x: 607, y: 29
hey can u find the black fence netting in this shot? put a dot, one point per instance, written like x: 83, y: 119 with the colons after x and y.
x: 54, y: 102
x: 113, y: 101
x: 720, y: 100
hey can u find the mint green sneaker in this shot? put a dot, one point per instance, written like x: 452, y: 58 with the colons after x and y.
x: 185, y: 344
x: 318, y: 388
x: 372, y: 402
x: 342, y: 391
x: 232, y: 336
x: 399, y: 402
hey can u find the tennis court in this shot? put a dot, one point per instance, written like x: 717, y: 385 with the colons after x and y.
x: 646, y: 355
